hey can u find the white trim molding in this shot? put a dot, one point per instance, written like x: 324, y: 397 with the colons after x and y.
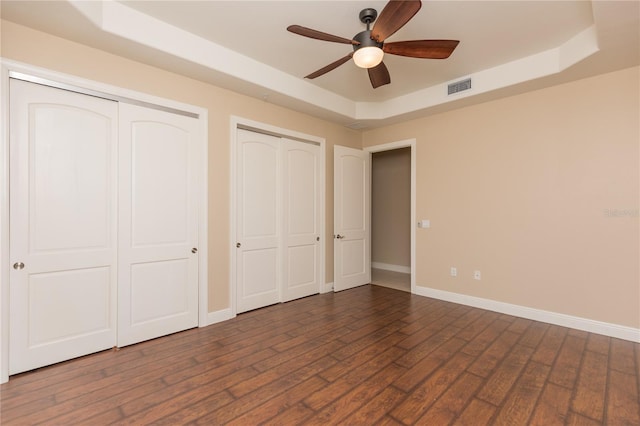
x: 219, y: 316
x: 392, y: 268
x: 326, y: 288
x: 578, y: 323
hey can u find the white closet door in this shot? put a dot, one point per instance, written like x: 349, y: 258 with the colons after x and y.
x: 158, y: 224
x: 301, y: 275
x: 352, y: 218
x: 63, y: 225
x: 259, y: 213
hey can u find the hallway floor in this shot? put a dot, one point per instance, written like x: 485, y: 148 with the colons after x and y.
x: 391, y: 279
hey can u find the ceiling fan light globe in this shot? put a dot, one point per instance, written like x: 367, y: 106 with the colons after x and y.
x: 368, y: 57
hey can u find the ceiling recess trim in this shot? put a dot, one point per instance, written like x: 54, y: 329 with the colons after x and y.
x: 125, y: 22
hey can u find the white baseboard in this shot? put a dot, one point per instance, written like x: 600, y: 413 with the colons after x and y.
x: 326, y: 288
x: 389, y: 267
x: 585, y: 324
x: 219, y: 316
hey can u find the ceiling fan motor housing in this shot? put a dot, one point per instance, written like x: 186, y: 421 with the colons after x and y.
x: 365, y: 40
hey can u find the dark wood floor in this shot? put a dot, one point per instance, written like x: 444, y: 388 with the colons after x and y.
x: 366, y: 356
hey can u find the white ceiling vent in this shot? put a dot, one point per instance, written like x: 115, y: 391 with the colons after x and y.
x: 459, y: 86
x: 357, y: 125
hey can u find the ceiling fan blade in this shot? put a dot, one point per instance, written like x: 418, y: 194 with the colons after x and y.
x: 330, y: 67
x: 427, y: 49
x: 318, y: 35
x: 393, y: 17
x: 379, y: 75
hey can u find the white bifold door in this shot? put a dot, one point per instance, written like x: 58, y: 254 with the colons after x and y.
x: 277, y: 220
x: 103, y: 220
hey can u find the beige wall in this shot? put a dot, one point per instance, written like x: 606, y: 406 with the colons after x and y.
x: 540, y: 192
x: 391, y: 207
x: 25, y: 45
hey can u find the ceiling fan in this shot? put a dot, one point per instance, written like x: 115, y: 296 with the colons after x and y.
x: 369, y: 46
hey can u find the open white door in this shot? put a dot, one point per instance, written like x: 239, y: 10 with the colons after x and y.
x: 158, y: 229
x: 352, y: 218
x: 63, y: 225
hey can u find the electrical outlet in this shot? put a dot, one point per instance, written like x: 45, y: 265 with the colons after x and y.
x: 476, y: 275
x: 454, y: 271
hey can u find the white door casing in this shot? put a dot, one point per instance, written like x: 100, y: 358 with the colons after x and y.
x: 352, y: 218
x: 301, y: 218
x: 158, y: 229
x: 259, y: 213
x: 63, y: 225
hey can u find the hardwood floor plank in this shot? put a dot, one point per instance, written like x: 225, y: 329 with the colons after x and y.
x: 471, y: 330
x: 574, y: 419
x: 519, y: 325
x: 426, y: 366
x: 365, y: 355
x: 490, y: 358
x: 598, y: 343
x: 505, y: 375
x: 534, y: 334
x: 261, y: 395
x: 280, y: 403
x: 350, y: 380
x: 485, y: 338
x: 373, y: 411
x: 185, y: 391
x: 622, y: 356
x: 477, y: 413
x: 565, y: 369
x: 86, y: 407
x: 449, y: 406
x: 368, y: 355
x: 591, y: 386
x: 425, y: 394
x: 522, y: 398
x: 426, y: 347
x: 302, y: 358
x: 218, y: 367
x: 426, y: 325
x: 623, y: 404
x: 549, y: 348
x: 552, y: 407
x: 291, y: 416
x: 338, y: 410
x: 179, y: 409
x: 367, y: 340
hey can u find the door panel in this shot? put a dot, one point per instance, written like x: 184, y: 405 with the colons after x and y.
x: 352, y: 218
x: 258, y: 256
x: 160, y: 183
x: 166, y: 278
x: 158, y: 190
x: 301, y: 219
x: 63, y: 219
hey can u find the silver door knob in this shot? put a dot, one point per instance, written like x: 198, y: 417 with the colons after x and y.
x: 18, y: 265
x: 339, y: 236
x: 194, y: 250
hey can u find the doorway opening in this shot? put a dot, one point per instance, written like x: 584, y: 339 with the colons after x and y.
x: 393, y: 214
x: 391, y: 218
